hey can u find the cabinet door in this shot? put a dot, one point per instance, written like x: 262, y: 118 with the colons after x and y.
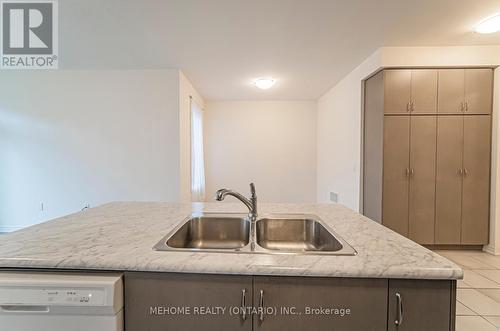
x: 449, y: 179
x: 476, y: 179
x: 451, y: 90
x: 148, y: 294
x: 396, y: 91
x: 396, y: 173
x: 420, y: 305
x: 422, y: 179
x: 366, y: 300
x: 478, y: 91
x: 424, y: 91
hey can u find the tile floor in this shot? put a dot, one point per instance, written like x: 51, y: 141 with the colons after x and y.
x: 478, y: 294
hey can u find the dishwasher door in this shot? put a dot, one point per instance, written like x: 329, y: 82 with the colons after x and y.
x: 61, y: 301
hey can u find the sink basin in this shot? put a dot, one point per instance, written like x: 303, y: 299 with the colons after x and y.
x: 209, y: 232
x: 274, y: 234
x: 298, y: 235
x: 303, y: 234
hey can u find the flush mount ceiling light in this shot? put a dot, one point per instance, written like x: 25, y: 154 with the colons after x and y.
x: 264, y: 83
x: 489, y: 25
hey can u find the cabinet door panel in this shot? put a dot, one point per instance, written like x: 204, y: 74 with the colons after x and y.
x: 395, y: 176
x: 426, y: 305
x: 478, y: 90
x: 396, y: 91
x: 449, y: 179
x: 422, y: 179
x: 144, y: 291
x: 476, y: 182
x: 366, y: 299
x: 451, y: 90
x: 424, y: 91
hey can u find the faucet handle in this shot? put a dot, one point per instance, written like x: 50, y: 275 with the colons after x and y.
x: 252, y: 189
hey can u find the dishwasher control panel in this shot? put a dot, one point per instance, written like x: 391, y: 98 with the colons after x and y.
x: 48, y: 296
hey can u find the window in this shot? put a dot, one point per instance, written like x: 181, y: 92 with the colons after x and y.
x: 197, y: 157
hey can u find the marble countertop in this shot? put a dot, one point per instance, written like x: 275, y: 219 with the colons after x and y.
x: 120, y: 236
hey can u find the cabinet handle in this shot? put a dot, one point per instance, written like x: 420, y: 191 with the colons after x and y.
x: 408, y: 106
x: 261, y: 306
x: 465, y: 172
x: 412, y: 172
x: 399, y: 316
x: 466, y: 105
x: 412, y: 106
x: 462, y: 106
x: 460, y: 171
x: 243, y: 304
x: 407, y: 172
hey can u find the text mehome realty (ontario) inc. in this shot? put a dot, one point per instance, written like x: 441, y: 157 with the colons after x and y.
x: 236, y: 310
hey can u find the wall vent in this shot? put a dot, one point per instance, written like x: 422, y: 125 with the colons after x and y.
x: 334, y: 197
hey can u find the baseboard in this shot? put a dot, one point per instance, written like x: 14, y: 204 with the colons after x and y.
x: 491, y: 250
x: 455, y: 247
x: 486, y: 248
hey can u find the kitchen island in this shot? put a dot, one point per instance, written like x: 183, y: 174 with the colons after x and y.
x: 391, y: 283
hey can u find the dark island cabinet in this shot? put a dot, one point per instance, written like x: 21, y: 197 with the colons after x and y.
x: 417, y: 305
x: 178, y: 302
x: 189, y: 302
x: 320, y: 304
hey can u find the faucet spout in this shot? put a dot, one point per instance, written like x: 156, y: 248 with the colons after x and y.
x: 251, y: 202
x: 221, y: 194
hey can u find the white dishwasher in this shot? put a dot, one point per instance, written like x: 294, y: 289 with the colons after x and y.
x: 61, y: 302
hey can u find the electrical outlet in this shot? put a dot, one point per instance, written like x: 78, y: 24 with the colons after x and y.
x: 334, y: 197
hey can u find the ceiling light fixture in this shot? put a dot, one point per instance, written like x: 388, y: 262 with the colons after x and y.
x: 264, y: 83
x: 489, y: 25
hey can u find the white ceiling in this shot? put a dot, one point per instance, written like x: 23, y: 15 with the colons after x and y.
x: 307, y: 45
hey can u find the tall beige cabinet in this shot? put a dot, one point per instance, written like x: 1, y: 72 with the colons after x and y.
x: 426, y: 153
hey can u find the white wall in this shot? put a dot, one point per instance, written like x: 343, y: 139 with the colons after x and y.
x: 339, y: 120
x: 186, y: 90
x: 68, y: 138
x: 272, y: 143
x: 339, y: 138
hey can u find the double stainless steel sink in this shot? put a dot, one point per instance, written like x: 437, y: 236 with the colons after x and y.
x: 268, y: 234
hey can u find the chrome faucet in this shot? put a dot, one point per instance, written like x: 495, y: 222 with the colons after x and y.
x: 250, y: 203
